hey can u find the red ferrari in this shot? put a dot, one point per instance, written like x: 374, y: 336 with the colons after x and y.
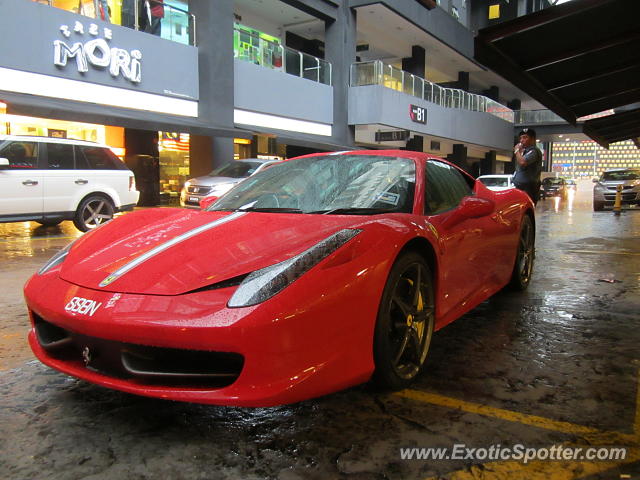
x: 316, y: 274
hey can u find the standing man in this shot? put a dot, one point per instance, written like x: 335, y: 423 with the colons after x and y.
x: 529, y: 164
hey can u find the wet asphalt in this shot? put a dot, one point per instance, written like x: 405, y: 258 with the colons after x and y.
x: 565, y: 352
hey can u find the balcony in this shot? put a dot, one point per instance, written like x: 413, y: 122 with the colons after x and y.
x: 267, y: 51
x: 378, y: 73
x: 164, y: 19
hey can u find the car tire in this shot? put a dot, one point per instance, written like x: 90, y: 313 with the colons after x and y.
x: 49, y: 223
x: 405, y: 323
x: 523, y: 266
x: 93, y: 211
x: 598, y: 206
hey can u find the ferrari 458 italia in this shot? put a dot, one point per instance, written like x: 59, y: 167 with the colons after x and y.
x: 316, y: 274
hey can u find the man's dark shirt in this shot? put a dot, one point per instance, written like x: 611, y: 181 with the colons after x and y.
x: 529, y: 174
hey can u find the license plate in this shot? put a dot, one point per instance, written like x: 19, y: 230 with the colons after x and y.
x: 194, y: 199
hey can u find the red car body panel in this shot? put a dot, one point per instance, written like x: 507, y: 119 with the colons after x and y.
x: 313, y: 337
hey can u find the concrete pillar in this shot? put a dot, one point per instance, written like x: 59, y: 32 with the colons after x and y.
x: 459, y: 156
x: 416, y: 63
x: 515, y: 104
x: 488, y: 163
x: 340, y: 51
x: 416, y: 143
x: 463, y: 81
x: 214, y: 39
x: 493, y: 93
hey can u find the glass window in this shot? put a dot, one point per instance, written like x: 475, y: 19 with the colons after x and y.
x: 445, y: 188
x: 60, y: 156
x: 100, y: 158
x: 349, y: 184
x: 20, y: 154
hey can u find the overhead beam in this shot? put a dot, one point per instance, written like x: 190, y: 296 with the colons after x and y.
x: 586, y: 49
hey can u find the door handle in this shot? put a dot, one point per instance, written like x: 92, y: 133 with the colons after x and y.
x: 82, y: 181
x: 30, y: 182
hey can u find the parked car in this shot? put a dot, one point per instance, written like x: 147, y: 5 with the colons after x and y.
x: 220, y: 180
x: 553, y: 187
x: 497, y: 182
x: 49, y: 180
x: 604, y: 190
x: 318, y: 273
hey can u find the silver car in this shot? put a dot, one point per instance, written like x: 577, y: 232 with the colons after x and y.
x: 604, y: 190
x: 220, y: 180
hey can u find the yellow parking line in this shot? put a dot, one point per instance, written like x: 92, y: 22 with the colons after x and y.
x: 29, y: 239
x: 532, y: 420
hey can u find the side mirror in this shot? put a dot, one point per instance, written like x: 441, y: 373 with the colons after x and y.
x: 475, y: 207
x: 206, y: 201
x: 4, y: 162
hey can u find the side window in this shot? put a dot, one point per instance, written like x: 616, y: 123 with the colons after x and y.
x: 445, y: 188
x: 60, y: 156
x: 20, y: 154
x: 98, y: 158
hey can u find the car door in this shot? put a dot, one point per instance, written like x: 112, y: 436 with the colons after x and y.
x: 459, y: 238
x: 60, y: 180
x: 20, y: 181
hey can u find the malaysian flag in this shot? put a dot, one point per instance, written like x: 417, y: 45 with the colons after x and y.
x: 175, y: 141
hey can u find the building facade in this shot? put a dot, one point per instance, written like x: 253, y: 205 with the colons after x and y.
x: 197, y: 84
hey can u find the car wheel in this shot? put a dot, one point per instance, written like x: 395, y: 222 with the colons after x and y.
x: 92, y: 212
x: 405, y: 323
x: 49, y: 223
x: 523, y: 267
x: 598, y: 206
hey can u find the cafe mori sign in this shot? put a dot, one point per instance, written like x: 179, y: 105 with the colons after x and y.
x: 96, y: 52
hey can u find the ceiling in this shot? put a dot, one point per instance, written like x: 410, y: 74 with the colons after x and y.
x: 577, y: 59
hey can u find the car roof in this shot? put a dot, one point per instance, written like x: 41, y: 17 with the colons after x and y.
x: 622, y: 170
x: 506, y: 175
x: 36, y: 138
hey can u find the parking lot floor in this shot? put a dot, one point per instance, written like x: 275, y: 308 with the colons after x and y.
x: 557, y: 365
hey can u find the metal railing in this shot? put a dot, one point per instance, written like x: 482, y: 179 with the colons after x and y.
x: 532, y: 117
x: 378, y: 73
x: 151, y: 16
x: 260, y: 51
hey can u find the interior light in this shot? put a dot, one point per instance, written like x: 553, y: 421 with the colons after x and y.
x: 56, y: 87
x: 242, y: 141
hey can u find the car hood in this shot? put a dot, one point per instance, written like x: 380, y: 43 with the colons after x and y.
x: 213, y: 181
x: 182, y: 250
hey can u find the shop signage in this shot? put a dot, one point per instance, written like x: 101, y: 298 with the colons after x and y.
x: 96, y: 52
x: 418, y: 114
x: 392, y: 136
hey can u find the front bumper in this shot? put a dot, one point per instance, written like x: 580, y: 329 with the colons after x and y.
x: 609, y: 196
x: 255, y: 356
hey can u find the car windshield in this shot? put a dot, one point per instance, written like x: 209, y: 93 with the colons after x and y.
x: 495, y: 181
x: 620, y: 175
x: 345, y: 184
x: 235, y: 169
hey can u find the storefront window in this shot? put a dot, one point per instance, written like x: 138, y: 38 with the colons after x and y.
x: 174, y: 165
x: 169, y: 19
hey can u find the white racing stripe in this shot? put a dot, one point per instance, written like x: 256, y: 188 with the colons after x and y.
x: 162, y: 247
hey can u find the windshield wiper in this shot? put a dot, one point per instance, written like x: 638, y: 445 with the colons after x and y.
x: 353, y: 211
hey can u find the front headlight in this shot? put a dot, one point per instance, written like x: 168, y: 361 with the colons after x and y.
x: 263, y: 284
x: 56, y: 260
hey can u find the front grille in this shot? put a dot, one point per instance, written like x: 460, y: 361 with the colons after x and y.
x: 145, y: 364
x: 624, y: 187
x: 626, y: 197
x: 200, y: 190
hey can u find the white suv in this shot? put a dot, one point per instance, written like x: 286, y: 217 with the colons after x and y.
x: 49, y: 180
